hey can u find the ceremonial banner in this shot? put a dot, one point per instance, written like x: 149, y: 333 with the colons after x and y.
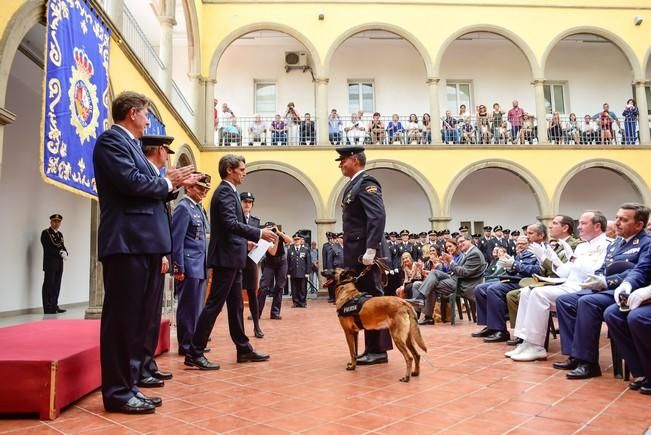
x: 155, y: 125
x: 76, y: 105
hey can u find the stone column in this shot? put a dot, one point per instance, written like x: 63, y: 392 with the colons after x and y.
x: 545, y: 220
x: 640, y: 98
x: 115, y: 12
x: 208, y: 92
x: 165, y: 53
x: 322, y: 110
x: 96, y: 282
x: 440, y: 222
x: 541, y: 113
x: 434, y: 110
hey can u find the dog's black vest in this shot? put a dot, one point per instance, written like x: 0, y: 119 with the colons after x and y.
x: 353, y: 307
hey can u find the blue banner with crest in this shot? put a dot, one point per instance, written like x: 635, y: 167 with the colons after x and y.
x: 76, y: 94
x: 156, y: 126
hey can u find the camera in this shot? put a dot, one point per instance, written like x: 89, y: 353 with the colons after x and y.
x: 623, y: 302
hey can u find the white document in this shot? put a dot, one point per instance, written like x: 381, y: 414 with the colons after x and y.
x: 258, y: 252
x: 549, y: 279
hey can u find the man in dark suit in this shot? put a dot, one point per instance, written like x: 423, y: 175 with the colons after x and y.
x: 327, y: 266
x: 363, y: 223
x: 274, y: 274
x: 227, y: 256
x: 487, y: 243
x: 189, y: 228
x: 250, y: 274
x: 54, y: 253
x: 134, y: 234
x: 298, y: 267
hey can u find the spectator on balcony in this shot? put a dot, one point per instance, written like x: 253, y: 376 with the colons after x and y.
x: 605, y: 120
x: 483, y: 124
x: 224, y: 122
x: 231, y: 133
x: 467, y: 131
x: 504, y: 134
x: 572, y: 129
x: 515, y: 117
x: 258, y: 131
x: 630, y: 115
x: 307, y: 131
x: 376, y: 128
x: 589, y: 132
x: 278, y: 131
x: 426, y: 128
x: 526, y: 128
x: 293, y: 121
x: 496, y: 117
x: 555, y: 129
x: 462, y: 113
x: 396, y: 130
x: 450, y: 132
x: 334, y: 128
x: 355, y: 130
x: 414, y: 134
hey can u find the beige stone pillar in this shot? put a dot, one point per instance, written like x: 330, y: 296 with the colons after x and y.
x: 96, y: 281
x: 434, y: 109
x: 541, y: 113
x: 206, y: 111
x: 440, y: 222
x: 165, y: 52
x: 640, y: 99
x: 321, y: 84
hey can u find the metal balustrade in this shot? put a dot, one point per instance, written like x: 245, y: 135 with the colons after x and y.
x: 140, y: 45
x: 592, y: 129
x: 264, y: 131
x: 182, y: 105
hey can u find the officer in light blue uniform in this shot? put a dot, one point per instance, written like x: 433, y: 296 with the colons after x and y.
x: 189, y: 228
x: 580, y: 314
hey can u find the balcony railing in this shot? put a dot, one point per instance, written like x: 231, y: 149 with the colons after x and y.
x: 182, y: 105
x: 139, y: 43
x: 264, y: 131
x: 593, y: 130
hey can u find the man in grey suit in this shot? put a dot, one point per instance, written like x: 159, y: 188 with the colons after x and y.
x: 465, y: 274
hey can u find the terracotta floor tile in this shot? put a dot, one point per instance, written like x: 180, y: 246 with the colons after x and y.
x: 480, y: 426
x: 521, y: 407
x: 294, y: 423
x: 37, y: 430
x: 367, y: 420
x: 194, y: 415
x: 153, y: 422
x: 262, y: 414
x: 259, y: 429
x: 434, y: 420
x: 406, y: 427
x: 9, y: 424
x: 548, y: 425
x: 114, y: 429
x: 225, y: 423
x: 578, y: 411
x: 79, y: 424
x: 329, y: 413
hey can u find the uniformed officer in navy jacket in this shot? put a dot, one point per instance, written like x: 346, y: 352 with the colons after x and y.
x: 54, y: 252
x: 299, y: 265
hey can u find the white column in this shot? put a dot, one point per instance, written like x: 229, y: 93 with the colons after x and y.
x: 434, y: 110
x: 322, y: 109
x: 208, y: 105
x: 640, y: 98
x: 165, y: 53
x: 114, y: 9
x: 541, y: 113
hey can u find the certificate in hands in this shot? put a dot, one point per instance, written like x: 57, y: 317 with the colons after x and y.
x: 259, y: 250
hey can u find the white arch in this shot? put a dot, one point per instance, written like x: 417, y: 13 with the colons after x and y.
x: 185, y: 150
x: 194, y: 42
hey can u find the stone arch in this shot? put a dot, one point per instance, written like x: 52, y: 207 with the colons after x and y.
x: 523, y: 173
x: 410, y: 171
x: 498, y: 30
x: 631, y: 175
x: 297, y: 174
x: 620, y: 43
x: 282, y: 28
x: 185, y: 156
x: 194, y: 42
x: 409, y: 37
x: 645, y: 63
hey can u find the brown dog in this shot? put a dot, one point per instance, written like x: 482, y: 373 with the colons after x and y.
x: 378, y: 313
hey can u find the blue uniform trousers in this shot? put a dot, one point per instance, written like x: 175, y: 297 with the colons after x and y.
x: 580, y: 316
x: 491, y: 303
x: 190, y: 293
x: 630, y: 332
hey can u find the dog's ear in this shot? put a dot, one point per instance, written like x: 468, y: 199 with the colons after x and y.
x: 347, y: 274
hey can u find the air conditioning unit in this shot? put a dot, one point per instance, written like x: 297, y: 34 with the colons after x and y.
x: 296, y: 59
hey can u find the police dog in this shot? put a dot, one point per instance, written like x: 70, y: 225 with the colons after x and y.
x: 380, y: 312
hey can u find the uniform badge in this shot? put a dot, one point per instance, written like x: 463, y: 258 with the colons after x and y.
x: 371, y: 189
x: 84, y: 102
x: 636, y: 241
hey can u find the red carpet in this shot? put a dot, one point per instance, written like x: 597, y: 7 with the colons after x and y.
x: 46, y: 365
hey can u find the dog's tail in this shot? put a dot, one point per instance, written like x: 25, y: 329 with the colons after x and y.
x: 415, y: 330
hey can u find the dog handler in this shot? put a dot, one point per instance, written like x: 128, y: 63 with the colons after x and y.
x: 363, y: 224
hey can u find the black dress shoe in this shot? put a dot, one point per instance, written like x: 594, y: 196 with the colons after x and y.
x: 585, y: 370
x: 49, y: 311
x: 426, y: 321
x: 331, y: 301
x: 568, y: 364
x: 276, y: 317
x: 60, y: 310
x: 134, y: 406
x: 200, y: 362
x: 515, y: 341
x: 252, y: 356
x: 636, y: 385
x: 483, y: 333
x: 646, y: 388
x: 498, y: 337
x: 258, y: 333
x: 368, y: 359
x: 150, y: 382
x: 162, y: 375
x: 156, y: 401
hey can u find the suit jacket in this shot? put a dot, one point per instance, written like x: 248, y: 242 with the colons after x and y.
x: 470, y: 269
x: 229, y: 232
x: 52, y: 242
x: 637, y: 251
x: 336, y: 256
x: 189, y: 240
x: 133, y: 218
x: 363, y: 219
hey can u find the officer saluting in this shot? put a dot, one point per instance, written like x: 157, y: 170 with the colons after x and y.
x: 54, y: 252
x: 363, y: 224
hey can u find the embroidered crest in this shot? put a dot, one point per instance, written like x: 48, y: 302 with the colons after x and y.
x: 636, y: 241
x: 371, y: 189
x: 632, y: 251
x: 84, y: 101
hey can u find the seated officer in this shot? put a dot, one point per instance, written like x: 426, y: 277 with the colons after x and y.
x: 580, y: 314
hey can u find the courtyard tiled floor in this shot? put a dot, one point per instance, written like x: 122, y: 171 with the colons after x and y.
x: 466, y: 386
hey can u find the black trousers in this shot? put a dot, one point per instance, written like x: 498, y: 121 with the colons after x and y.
x: 274, y: 277
x: 299, y: 290
x: 376, y: 341
x: 53, y: 269
x: 226, y: 289
x: 152, y: 332
x: 130, y: 286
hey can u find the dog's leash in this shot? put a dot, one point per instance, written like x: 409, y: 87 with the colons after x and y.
x: 379, y: 262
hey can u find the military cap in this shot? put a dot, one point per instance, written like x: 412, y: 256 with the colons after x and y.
x: 488, y: 228
x: 498, y: 228
x: 422, y: 234
x: 446, y: 231
x: 155, y: 140
x: 431, y: 232
x: 393, y: 234
x: 454, y: 235
x: 515, y: 233
x: 618, y: 267
x: 296, y: 236
x: 524, y: 228
x: 347, y: 151
x: 247, y: 195
x: 506, y: 231
x: 413, y: 236
x: 404, y: 232
x: 340, y: 235
x: 204, y: 181
x: 270, y: 224
x: 464, y: 228
x: 56, y: 217
x: 476, y: 236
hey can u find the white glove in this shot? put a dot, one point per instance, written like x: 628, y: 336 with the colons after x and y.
x: 553, y: 257
x: 567, y: 249
x: 506, y: 262
x: 594, y: 282
x: 368, y: 257
x: 63, y: 254
x: 624, y: 287
x: 538, y: 250
x: 307, y: 275
x: 638, y: 296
